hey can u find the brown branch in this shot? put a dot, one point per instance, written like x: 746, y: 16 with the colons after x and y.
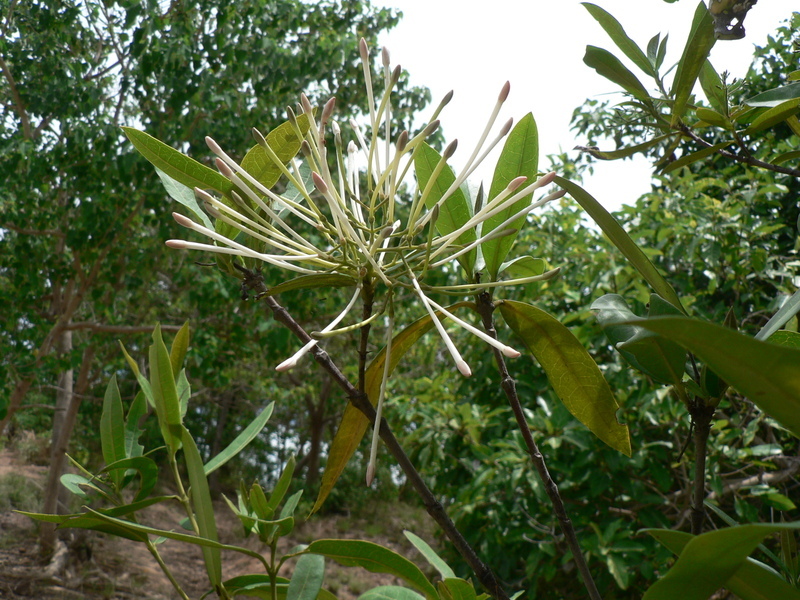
x: 362, y: 403
x: 748, y: 160
x: 701, y: 417
x: 19, y: 105
x: 485, y: 309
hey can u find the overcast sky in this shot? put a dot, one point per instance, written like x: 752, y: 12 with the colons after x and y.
x: 539, y: 47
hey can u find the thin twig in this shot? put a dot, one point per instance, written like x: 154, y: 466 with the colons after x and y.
x: 701, y: 417
x: 362, y: 403
x: 485, y: 309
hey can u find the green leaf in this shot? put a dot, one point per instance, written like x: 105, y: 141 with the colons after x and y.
x: 623, y: 152
x: 312, y: 281
x: 775, y: 115
x: 698, y: 46
x: 719, y: 558
x: 454, y: 588
x: 610, y: 67
x: 455, y: 211
x: 523, y: 266
x: 283, y: 141
x: 75, y: 483
x: 430, y: 555
x: 622, y: 241
x: 203, y: 509
x: 354, y: 424
x: 651, y: 354
x: 713, y: 88
x: 307, y: 578
x: 616, y: 32
x: 146, y: 467
x: 184, y: 195
x: 776, y: 96
x: 390, y: 592
x: 133, y: 432
x: 373, y: 558
x: 165, y: 392
x: 790, y: 339
x: 112, y: 428
x: 282, y: 486
x: 520, y: 157
x: 180, y: 345
x: 712, y: 117
x: 180, y: 167
x: 786, y: 157
x: 247, y: 435
x: 695, y: 156
x: 769, y: 375
x: 574, y: 375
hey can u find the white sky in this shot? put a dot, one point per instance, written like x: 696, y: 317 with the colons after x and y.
x: 539, y: 47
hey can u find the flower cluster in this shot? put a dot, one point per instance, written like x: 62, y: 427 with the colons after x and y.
x: 359, y: 224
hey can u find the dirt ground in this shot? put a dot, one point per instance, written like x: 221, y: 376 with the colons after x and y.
x: 100, y: 566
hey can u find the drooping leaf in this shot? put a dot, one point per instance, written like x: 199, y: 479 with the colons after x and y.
x: 354, y: 424
x: 695, y: 156
x: 307, y: 578
x: 651, y: 354
x: 455, y: 211
x: 610, y: 67
x: 620, y: 238
x: 617, y: 33
x: 712, y: 560
x: 769, y: 375
x: 698, y: 46
x: 520, y: 157
x: 112, y: 428
x: 574, y: 375
x: 80, y: 521
x: 184, y: 195
x: 430, y: 555
x: 374, y: 558
x: 247, y: 435
x: 180, y: 167
x: 203, y: 509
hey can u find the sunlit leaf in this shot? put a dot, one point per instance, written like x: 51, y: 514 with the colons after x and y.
x: 776, y: 96
x: 774, y: 115
x: 623, y: 152
x: 284, y: 143
x: 523, y: 266
x: 787, y: 310
x: 610, y: 67
x: 617, y: 33
x: 574, y: 375
x: 184, y: 195
x: 430, y: 555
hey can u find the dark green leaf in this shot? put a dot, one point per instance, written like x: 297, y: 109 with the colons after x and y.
x: 616, y: 32
x: 774, y: 115
x: 769, y: 375
x: 695, y: 156
x: 574, y: 375
x: 312, y: 281
x: 520, y: 157
x: 282, y: 486
x: 307, y: 578
x: 165, y: 392
x: 247, y: 435
x: 610, y: 67
x: 622, y: 152
x: 147, y: 469
x: 112, y: 428
x: 776, y: 96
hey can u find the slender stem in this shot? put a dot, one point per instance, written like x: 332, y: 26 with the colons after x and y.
x: 701, y: 417
x: 368, y: 296
x: 362, y: 403
x: 154, y: 551
x: 485, y: 309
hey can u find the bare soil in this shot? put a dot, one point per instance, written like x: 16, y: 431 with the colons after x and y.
x: 100, y: 566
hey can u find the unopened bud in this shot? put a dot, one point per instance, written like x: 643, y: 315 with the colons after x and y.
x: 504, y: 92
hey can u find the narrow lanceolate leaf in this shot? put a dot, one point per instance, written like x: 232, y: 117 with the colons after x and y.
x: 523, y: 266
x: 282, y: 486
x: 284, y: 143
x: 709, y: 116
x: 768, y: 374
x: 620, y: 238
x: 455, y: 210
x: 623, y: 152
x: 751, y: 581
x: 610, y: 67
x: 185, y: 195
x: 180, y: 167
x: 112, y: 428
x: 698, y: 46
x: 574, y: 375
x: 307, y: 578
x: 709, y: 561
x: 712, y: 87
x: 203, y: 509
x: 165, y: 392
x: 774, y: 97
x: 789, y: 309
x: 147, y: 469
x: 133, y: 432
x: 774, y: 115
x: 312, y: 281
x: 374, y: 558
x: 520, y: 157
x: 177, y: 352
x: 247, y: 435
x: 617, y: 33
x: 390, y: 592
x: 354, y: 424
x: 695, y: 156
x: 430, y: 555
